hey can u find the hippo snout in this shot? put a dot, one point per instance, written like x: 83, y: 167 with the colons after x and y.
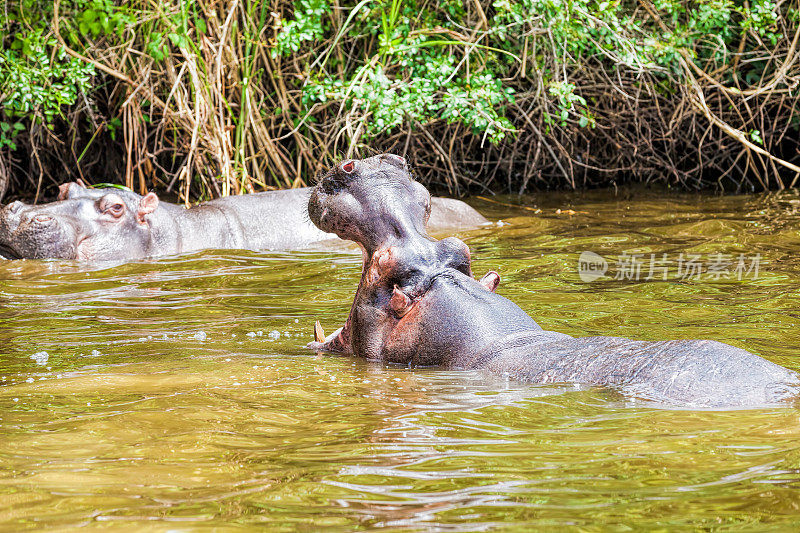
x: 27, y: 220
x: 10, y: 216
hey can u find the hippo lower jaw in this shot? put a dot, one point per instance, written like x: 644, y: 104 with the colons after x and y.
x: 336, y: 342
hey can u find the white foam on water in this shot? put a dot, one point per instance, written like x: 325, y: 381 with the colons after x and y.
x: 40, y: 358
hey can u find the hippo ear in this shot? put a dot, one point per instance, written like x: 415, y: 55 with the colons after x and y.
x: 63, y: 191
x: 490, y: 281
x: 147, y: 205
x: 69, y: 190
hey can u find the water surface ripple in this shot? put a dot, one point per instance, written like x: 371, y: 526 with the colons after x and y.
x: 175, y: 394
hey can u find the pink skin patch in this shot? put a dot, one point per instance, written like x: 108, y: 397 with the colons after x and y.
x: 83, y: 251
x: 404, y: 312
x: 400, y: 302
x: 339, y: 341
x: 404, y: 332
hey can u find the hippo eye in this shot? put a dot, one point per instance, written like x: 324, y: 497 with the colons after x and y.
x: 349, y: 167
x: 115, y: 210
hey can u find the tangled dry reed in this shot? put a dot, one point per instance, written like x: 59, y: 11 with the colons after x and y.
x: 221, y: 114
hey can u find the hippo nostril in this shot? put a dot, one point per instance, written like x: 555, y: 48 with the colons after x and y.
x: 395, y: 160
x: 42, y: 219
x: 14, y: 207
x: 349, y: 166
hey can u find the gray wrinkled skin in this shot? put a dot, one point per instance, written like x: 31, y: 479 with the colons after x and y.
x: 418, y: 304
x: 83, y: 227
x: 113, y: 224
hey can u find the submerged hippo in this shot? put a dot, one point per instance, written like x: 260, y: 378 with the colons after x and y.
x: 418, y: 304
x: 117, y: 224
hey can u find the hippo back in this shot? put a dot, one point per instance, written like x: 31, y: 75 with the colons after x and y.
x: 693, y: 373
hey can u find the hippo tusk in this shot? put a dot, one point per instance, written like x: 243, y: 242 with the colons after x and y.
x: 319, y: 333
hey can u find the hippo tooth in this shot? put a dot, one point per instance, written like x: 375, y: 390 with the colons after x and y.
x: 319, y: 333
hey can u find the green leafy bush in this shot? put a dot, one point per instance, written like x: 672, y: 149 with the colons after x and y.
x: 254, y: 94
x: 38, y: 79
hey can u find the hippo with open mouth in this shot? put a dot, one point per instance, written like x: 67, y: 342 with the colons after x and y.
x: 418, y: 304
x: 118, y: 224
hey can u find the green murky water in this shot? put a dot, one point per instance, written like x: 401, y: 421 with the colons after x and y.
x: 175, y: 394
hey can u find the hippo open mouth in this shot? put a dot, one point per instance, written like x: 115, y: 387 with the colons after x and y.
x: 376, y: 203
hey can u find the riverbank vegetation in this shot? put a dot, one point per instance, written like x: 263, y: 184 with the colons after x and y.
x: 213, y: 97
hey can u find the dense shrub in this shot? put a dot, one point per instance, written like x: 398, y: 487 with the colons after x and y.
x: 216, y: 97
